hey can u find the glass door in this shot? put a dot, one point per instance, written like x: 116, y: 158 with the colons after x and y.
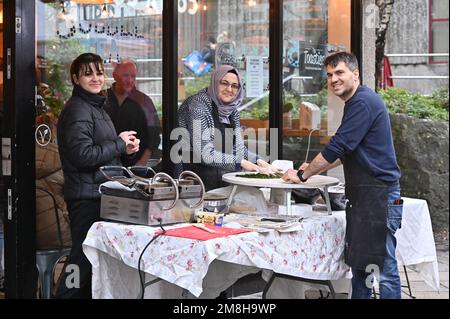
x: 17, y: 138
x: 228, y: 32
x: 3, y: 201
x: 117, y: 31
x: 312, y: 30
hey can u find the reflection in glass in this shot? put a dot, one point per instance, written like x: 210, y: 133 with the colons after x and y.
x: 312, y: 30
x: 231, y: 32
x: 115, y: 30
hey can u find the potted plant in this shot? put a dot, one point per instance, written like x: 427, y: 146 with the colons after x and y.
x: 257, y: 117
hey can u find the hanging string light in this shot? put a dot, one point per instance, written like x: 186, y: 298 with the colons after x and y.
x: 64, y: 14
x: 193, y: 10
x: 150, y: 10
x: 98, y: 28
x: 105, y: 12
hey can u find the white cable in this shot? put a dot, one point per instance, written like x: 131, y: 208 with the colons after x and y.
x: 309, y: 144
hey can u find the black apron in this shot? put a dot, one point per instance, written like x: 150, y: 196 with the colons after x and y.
x: 366, y: 215
x: 212, y: 176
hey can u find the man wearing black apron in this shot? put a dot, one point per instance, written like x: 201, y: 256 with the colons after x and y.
x: 363, y: 144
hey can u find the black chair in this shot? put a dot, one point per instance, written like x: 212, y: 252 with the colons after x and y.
x: 48, y: 259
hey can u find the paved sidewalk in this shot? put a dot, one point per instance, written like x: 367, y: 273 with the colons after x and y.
x: 419, y: 288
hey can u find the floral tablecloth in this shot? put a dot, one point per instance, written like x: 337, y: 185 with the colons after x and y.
x: 315, y: 252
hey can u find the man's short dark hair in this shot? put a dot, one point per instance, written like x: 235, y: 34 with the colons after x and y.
x: 212, y: 39
x: 82, y: 64
x: 349, y: 59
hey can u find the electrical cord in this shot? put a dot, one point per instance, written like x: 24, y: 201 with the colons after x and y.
x: 141, y: 279
x: 309, y: 144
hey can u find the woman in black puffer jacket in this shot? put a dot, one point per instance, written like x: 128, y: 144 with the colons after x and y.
x: 87, y: 140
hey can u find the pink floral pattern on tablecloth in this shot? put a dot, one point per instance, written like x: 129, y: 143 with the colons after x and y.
x: 315, y: 252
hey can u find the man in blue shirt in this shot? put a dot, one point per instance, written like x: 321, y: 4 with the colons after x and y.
x: 363, y: 144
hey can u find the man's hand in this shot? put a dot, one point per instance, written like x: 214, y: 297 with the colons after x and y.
x: 291, y: 176
x: 303, y: 166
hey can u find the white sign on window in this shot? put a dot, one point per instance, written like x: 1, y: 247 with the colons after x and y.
x: 254, y: 78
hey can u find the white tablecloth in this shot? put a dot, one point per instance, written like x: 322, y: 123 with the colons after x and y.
x: 416, y: 248
x: 315, y: 252
x: 205, y: 268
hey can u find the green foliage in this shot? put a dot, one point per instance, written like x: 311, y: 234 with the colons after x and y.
x: 60, y: 88
x: 158, y: 107
x: 287, y: 107
x: 56, y: 72
x: 54, y: 104
x: 200, y: 82
x: 259, y: 110
x: 434, y: 107
x: 294, y: 99
x: 320, y: 99
x: 59, y: 56
x: 440, y: 96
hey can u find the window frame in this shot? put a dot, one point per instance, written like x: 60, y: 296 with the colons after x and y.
x: 431, y: 22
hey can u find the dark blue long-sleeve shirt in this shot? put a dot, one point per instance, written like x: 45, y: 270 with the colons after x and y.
x: 366, y: 130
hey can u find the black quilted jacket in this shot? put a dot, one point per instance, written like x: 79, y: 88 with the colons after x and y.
x: 86, y: 140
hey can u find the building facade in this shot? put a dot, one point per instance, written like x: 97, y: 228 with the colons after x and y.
x: 285, y: 41
x: 417, y: 45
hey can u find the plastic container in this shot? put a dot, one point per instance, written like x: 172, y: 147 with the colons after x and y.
x: 209, y: 218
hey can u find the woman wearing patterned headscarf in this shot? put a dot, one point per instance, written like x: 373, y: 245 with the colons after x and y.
x: 204, y: 115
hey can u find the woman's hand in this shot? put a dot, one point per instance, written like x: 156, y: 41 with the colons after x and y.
x: 291, y: 176
x: 249, y: 166
x: 131, y: 141
x: 267, y: 168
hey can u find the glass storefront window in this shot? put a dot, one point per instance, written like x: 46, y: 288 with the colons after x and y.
x: 116, y: 31
x: 233, y: 32
x: 132, y: 29
x: 312, y: 30
x: 65, y: 29
x: 2, y: 201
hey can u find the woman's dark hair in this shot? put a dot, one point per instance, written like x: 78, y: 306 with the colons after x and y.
x: 82, y: 64
x: 234, y: 72
x: 349, y: 59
